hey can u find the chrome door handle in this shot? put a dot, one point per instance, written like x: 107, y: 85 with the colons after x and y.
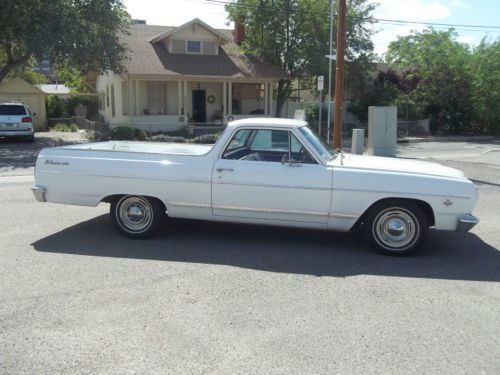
x: 225, y: 169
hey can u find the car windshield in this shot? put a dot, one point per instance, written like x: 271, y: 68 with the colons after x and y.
x: 321, y: 147
x: 11, y: 110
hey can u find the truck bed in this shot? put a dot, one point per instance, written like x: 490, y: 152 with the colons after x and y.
x: 145, y: 147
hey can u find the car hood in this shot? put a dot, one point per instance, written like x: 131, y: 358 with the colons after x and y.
x: 408, y: 166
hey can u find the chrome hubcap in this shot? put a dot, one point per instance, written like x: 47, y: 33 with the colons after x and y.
x: 135, y: 214
x: 396, y: 228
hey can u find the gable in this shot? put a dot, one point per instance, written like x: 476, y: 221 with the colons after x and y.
x: 194, y: 31
x: 19, y: 86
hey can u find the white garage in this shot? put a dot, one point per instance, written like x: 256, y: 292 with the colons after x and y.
x: 19, y: 90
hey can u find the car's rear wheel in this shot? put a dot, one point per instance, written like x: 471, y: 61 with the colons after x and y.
x: 395, y: 227
x: 137, y: 216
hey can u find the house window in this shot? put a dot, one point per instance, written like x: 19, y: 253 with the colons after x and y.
x: 157, y: 98
x: 113, y: 109
x: 248, y: 98
x: 102, y: 97
x: 107, y: 96
x: 193, y: 46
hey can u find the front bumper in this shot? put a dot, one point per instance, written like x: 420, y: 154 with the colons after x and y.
x: 466, y: 223
x: 39, y: 193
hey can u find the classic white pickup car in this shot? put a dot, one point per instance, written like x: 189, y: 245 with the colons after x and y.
x: 261, y: 171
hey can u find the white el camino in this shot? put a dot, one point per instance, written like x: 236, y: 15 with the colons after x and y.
x: 260, y: 171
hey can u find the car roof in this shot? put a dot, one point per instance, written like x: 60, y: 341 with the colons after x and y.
x: 268, y: 121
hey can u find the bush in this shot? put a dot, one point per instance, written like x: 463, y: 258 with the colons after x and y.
x: 206, y: 138
x: 62, y: 127
x: 59, y: 108
x: 167, y: 138
x: 127, y: 133
x: 182, y: 132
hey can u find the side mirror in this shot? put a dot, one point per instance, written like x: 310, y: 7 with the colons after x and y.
x: 34, y: 113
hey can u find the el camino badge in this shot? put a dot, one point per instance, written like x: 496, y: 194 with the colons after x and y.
x: 56, y: 162
x: 447, y: 203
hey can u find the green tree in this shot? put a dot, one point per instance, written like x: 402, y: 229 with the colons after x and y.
x: 442, y: 65
x: 80, y: 34
x: 294, y: 34
x: 73, y: 79
x: 485, y: 72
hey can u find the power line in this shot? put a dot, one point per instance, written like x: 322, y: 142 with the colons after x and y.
x: 483, y: 28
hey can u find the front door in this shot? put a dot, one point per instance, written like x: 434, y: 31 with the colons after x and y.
x: 199, y: 106
x: 268, y: 174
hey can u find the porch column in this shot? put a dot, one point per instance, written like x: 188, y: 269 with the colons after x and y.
x: 131, y: 98
x: 266, y: 99
x: 179, y: 98
x: 185, y: 99
x: 224, y: 100
x: 270, y: 90
x: 230, y: 99
x: 137, y: 89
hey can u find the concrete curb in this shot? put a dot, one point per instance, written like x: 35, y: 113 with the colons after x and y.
x: 458, y: 138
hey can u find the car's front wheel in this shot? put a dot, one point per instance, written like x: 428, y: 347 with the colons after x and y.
x: 137, y: 216
x: 395, y: 227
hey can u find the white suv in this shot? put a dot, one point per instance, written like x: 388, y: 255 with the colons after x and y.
x: 16, y: 121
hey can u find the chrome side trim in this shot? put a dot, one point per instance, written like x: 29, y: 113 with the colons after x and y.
x: 127, y: 178
x: 39, y: 193
x: 343, y: 216
x: 466, y: 223
x: 186, y: 204
x: 274, y: 186
x: 270, y: 210
x: 399, y: 193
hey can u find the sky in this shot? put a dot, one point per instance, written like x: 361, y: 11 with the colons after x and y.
x: 463, y: 12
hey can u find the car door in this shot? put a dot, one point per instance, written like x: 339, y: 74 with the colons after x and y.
x: 267, y: 174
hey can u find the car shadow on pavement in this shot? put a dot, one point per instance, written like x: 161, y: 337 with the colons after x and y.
x: 18, y: 154
x: 447, y: 255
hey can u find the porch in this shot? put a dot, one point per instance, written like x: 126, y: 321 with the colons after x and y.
x: 166, y: 105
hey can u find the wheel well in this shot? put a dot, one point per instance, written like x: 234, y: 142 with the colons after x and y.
x: 115, y: 197
x: 424, y: 206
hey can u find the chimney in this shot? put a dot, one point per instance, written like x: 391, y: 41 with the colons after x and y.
x: 239, y: 31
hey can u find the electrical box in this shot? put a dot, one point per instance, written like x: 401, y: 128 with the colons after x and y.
x: 382, y: 131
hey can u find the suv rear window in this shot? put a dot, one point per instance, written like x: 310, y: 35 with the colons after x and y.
x: 12, y: 110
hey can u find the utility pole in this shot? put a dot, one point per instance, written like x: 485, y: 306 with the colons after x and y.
x: 330, y: 49
x: 339, y: 75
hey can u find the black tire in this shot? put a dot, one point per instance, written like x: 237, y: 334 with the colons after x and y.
x: 395, y: 227
x: 136, y: 216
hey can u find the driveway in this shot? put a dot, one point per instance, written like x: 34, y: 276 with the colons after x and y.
x: 18, y: 157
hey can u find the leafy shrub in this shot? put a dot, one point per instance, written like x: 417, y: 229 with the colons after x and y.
x: 168, y: 138
x: 127, y: 133
x: 182, y: 132
x: 59, y: 108
x: 206, y: 138
x: 62, y: 127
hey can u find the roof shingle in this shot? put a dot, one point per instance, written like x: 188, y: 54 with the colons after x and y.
x: 154, y: 59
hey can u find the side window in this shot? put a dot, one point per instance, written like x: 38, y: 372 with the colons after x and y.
x: 300, y: 153
x: 237, y: 144
x: 266, y: 145
x: 270, y: 140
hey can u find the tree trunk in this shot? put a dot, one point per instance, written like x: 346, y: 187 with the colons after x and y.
x: 284, y: 92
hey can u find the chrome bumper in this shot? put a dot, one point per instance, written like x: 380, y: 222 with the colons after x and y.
x: 39, y: 193
x: 466, y: 223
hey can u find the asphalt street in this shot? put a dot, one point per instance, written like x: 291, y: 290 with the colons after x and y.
x: 77, y: 298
